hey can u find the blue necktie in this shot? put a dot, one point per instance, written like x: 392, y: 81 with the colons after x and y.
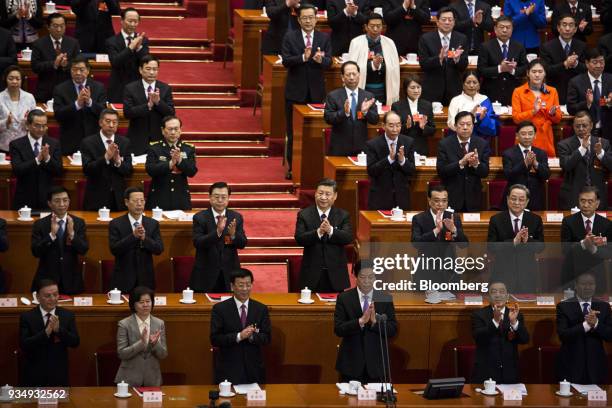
x: 504, y: 51
x: 60, y: 230
x: 566, y: 49
x: 353, y: 106
x: 365, y: 304
x: 36, y: 149
x: 585, y: 308
x: 471, y: 9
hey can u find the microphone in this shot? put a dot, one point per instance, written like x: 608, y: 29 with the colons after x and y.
x: 381, y: 316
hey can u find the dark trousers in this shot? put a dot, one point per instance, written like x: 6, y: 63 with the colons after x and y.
x: 220, y: 286
x: 324, y: 285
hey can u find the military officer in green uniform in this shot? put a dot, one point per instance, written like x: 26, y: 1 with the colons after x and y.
x: 169, y: 163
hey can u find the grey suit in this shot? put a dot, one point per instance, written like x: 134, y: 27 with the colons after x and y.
x: 140, y: 362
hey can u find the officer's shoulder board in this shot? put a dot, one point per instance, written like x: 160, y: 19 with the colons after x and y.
x: 188, y: 144
x: 156, y: 142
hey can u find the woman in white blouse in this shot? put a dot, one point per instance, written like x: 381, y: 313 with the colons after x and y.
x: 470, y: 100
x: 15, y: 103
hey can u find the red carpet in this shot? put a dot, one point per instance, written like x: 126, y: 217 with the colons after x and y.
x: 220, y: 120
x: 196, y: 73
x: 268, y: 170
x: 172, y: 27
x: 267, y: 225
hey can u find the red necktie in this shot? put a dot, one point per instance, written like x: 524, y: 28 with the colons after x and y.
x: 308, y: 43
x: 243, y: 316
x: 587, y: 228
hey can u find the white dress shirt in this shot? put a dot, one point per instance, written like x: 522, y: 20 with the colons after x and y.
x: 585, y: 325
x: 146, y: 85
x: 389, y: 141
x: 142, y: 324
x: 513, y: 217
x: 327, y: 218
x: 362, y: 295
x: 133, y: 220
x: 44, y: 314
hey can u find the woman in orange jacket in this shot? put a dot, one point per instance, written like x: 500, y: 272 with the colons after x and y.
x: 539, y: 103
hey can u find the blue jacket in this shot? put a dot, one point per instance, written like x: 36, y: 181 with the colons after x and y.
x: 526, y: 27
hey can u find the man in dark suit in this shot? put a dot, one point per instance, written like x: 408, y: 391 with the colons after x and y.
x: 404, y: 19
x: 592, y: 92
x: 502, y: 62
x: 436, y: 233
x: 145, y: 103
x: 283, y: 19
x: 390, y: 165
x: 583, y: 324
x: 498, y: 329
x: 306, y: 54
x: 107, y: 163
x: 585, y: 237
x: 585, y: 161
x: 346, y: 19
x: 36, y: 160
x: 514, y: 237
x: 134, y: 238
x: 349, y: 110
x: 563, y: 56
x: 169, y: 163
x: 580, y: 10
x: 45, y: 333
x: 357, y: 322
x: 218, y: 234
x: 323, y: 231
x: 527, y: 165
x: 239, y: 327
x: 77, y: 104
x: 51, y: 55
x: 125, y: 51
x: 8, y: 52
x: 473, y: 20
x: 57, y: 241
x: 443, y: 57
x: 462, y: 163
x: 94, y: 24
x: 4, y: 246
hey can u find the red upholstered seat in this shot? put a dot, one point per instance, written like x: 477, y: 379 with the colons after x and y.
x: 553, y: 186
x: 294, y: 264
x: 182, y: 266
x: 326, y: 139
x: 106, y: 271
x: 146, y: 187
x: 81, y: 185
x: 363, y: 188
x: 495, y: 193
x: 107, y: 364
x: 547, y: 356
x: 464, y: 360
x: 506, y: 138
x: 53, y: 131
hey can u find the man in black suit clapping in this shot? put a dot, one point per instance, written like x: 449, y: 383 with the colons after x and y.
x: 404, y: 19
x: 346, y: 19
x: 94, y: 23
x: 474, y: 20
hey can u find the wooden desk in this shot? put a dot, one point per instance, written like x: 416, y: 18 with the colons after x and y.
x: 97, y: 69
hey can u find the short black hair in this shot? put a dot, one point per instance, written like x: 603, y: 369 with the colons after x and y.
x: 566, y: 15
x: 10, y: 69
x: 306, y: 6
x: 406, y: 83
x: 503, y: 18
x: 169, y: 118
x: 127, y: 10
x: 589, y: 189
x: 469, y: 73
x: 463, y: 114
x: 362, y: 265
x: 53, y: 16
x: 137, y: 293
x: 108, y: 111
x: 583, y: 114
x: 130, y: 190
x: 56, y: 190
x: 148, y: 58
x: 591, y: 53
x: 36, y: 112
x: 43, y: 283
x: 447, y: 10
x: 327, y: 182
x: 535, y: 62
x: 438, y: 188
x: 346, y: 63
x: 374, y: 16
x: 524, y: 124
x: 80, y: 58
x: 241, y: 273
x: 219, y: 184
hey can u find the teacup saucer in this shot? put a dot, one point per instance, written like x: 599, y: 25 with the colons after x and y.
x: 228, y: 395
x: 25, y: 219
x: 495, y: 392
x: 122, y: 395
x: 402, y: 218
x: 563, y: 395
x: 433, y: 302
x: 104, y: 219
x: 306, y: 301
x: 188, y: 302
x: 110, y: 302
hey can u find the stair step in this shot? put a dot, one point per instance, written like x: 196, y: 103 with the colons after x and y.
x: 157, y: 9
x: 182, y: 53
x: 195, y: 136
x: 206, y: 99
x: 267, y: 200
x: 245, y: 188
x: 232, y: 148
x: 178, y: 42
x: 250, y: 254
x: 208, y: 88
x: 275, y: 241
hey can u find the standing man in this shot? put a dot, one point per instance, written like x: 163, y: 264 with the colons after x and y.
x: 390, y: 165
x: 36, y: 160
x: 134, y: 238
x: 580, y: 10
x: 51, y: 55
x: 349, y: 110
x: 45, y: 333
x: 239, y: 327
x: 283, y: 19
x: 404, y: 19
x: 462, y: 163
x: 357, y: 322
x: 125, y: 51
x: 94, y: 24
x: 585, y: 161
x: 57, y: 241
x: 473, y: 20
x: 169, y: 163
x: 145, y: 103
x: 306, y: 54
x: 107, y: 163
x: 77, y: 104
x: 502, y: 62
x: 443, y: 57
x: 218, y: 234
x: 346, y: 19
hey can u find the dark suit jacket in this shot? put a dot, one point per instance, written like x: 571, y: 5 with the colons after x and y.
x: 441, y: 82
x: 557, y: 75
x: 46, y: 357
x: 59, y: 259
x: 305, y: 80
x: 93, y: 27
x: 133, y: 257
x: 105, y: 182
x: 516, y: 172
x: 348, y: 135
x: 576, y: 99
x: 325, y: 252
x: 575, y: 168
x: 402, y: 108
x: 582, y: 358
x: 8, y: 52
x: 360, y: 350
x: 389, y: 183
x: 145, y: 125
x: 465, y: 25
x: 404, y: 27
x: 496, y: 349
x: 76, y: 125
x: 499, y: 87
x: 213, y: 255
x: 464, y: 186
x: 605, y: 47
x: 43, y: 57
x: 583, y: 12
x: 124, y: 65
x: 239, y: 363
x: 343, y: 28
x: 279, y: 15
x: 33, y: 180
x: 515, y: 265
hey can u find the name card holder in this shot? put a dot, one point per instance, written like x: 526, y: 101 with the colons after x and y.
x: 431, y: 161
x: 256, y: 395
x: 152, y: 397
x: 48, y: 401
x: 102, y: 58
x: 545, y: 300
x: 473, y: 300
x: 366, y: 395
x: 160, y: 301
x: 553, y: 162
x: 513, y: 395
x: 471, y: 217
x: 83, y: 301
x: 8, y: 302
x: 599, y: 395
x: 410, y: 216
x: 554, y: 217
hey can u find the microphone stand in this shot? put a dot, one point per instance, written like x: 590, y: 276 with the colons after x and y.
x: 386, y: 392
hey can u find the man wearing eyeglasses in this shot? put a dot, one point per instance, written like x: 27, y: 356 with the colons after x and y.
x: 218, y: 234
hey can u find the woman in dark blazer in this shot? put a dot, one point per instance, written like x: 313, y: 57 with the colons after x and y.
x: 417, y: 124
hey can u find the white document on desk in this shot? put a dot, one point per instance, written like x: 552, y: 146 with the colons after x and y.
x: 142, y: 159
x: 509, y: 387
x: 244, y: 388
x: 585, y: 388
